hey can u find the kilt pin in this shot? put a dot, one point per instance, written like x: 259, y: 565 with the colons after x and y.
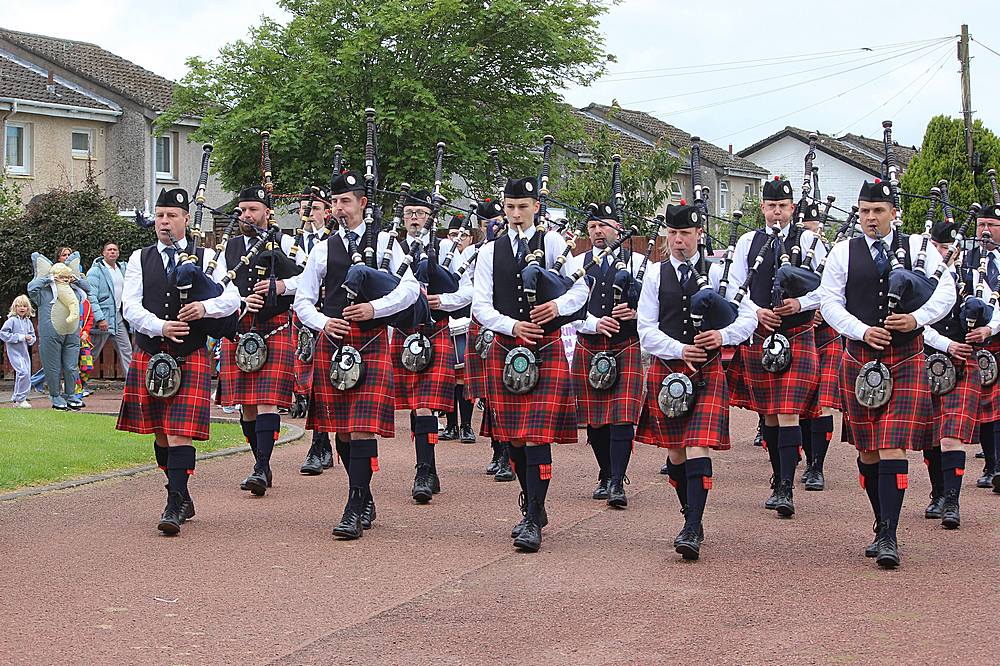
x: 186, y: 414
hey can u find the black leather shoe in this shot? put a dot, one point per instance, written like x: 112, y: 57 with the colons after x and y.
x: 326, y: 455
x: 871, y: 550
x: 368, y: 513
x: 349, y: 526
x: 986, y: 480
x: 498, y: 454
x: 784, y: 505
x: 933, y: 510
x: 257, y: 483
x: 423, y: 489
x: 996, y: 483
x: 601, y: 491
x: 814, y: 479
x: 616, y: 493
x: 170, y: 520
x: 187, y: 510
x: 665, y: 469
x: 243, y: 483
x: 887, y: 556
x: 543, y: 518
x: 435, y: 482
x: 504, y: 472
x: 688, y: 542
x: 529, y: 538
x: 313, y: 464
x: 950, y: 517
x: 448, y: 434
x: 771, y: 503
x: 758, y: 439
x: 466, y: 436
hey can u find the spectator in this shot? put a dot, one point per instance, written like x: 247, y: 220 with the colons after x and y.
x: 17, y: 333
x: 86, y: 349
x: 62, y: 255
x: 107, y: 279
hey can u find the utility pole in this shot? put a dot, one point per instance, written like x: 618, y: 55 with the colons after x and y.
x: 963, y: 59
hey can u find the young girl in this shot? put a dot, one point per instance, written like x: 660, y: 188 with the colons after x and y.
x: 17, y: 333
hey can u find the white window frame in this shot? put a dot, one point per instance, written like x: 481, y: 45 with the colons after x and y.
x: 19, y: 169
x: 171, y: 141
x: 724, y: 196
x: 82, y: 154
x: 676, y: 193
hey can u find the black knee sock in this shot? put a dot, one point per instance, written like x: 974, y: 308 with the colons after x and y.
x: 451, y: 418
x: 770, y: 434
x: 323, y: 440
x: 464, y: 406
x: 821, y: 434
x: 789, y: 440
x: 539, y: 462
x: 250, y: 434
x: 363, y: 463
x: 344, y: 451
x: 988, y: 435
x: 268, y: 426
x: 952, y: 470
x: 497, y: 447
x: 519, y: 464
x: 620, y: 449
x: 179, y: 468
x: 868, y: 477
x: 699, y: 482
x: 677, y: 474
x: 162, y: 454
x: 932, y: 458
x: 806, y: 425
x: 424, y: 437
x: 892, y: 482
x: 599, y: 439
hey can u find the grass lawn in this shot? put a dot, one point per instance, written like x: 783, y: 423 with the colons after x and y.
x: 39, y: 446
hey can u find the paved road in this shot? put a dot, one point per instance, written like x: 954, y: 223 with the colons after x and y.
x: 87, y: 579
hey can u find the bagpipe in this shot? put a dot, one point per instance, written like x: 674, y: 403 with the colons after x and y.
x: 429, y: 271
x: 792, y: 279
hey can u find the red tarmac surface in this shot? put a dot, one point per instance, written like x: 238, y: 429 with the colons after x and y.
x: 86, y: 578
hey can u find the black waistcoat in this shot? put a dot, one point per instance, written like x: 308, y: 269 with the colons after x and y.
x: 160, y: 296
x: 763, y: 280
x: 951, y: 325
x: 866, y: 291
x: 337, y: 263
x: 235, y: 249
x: 675, y: 304
x: 602, y: 296
x: 512, y: 302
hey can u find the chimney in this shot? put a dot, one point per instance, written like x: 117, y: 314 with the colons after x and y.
x: 50, y: 85
x: 730, y: 149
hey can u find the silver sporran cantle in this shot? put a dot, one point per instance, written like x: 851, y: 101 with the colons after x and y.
x: 163, y: 376
x: 603, y: 372
x: 251, y: 352
x: 676, y: 396
x: 347, y: 369
x: 483, y: 341
x: 305, y: 344
x: 418, y: 352
x: 776, y: 353
x: 873, y: 387
x: 520, y: 370
x: 941, y: 373
x: 987, y: 363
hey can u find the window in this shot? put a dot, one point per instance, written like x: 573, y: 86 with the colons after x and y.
x: 17, y: 148
x: 723, y: 196
x: 675, y: 191
x: 747, y: 192
x: 82, y: 145
x: 165, y: 157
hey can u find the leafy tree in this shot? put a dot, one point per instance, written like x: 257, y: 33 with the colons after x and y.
x: 10, y: 199
x: 942, y: 155
x: 475, y: 75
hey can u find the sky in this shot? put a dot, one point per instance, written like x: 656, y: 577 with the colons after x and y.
x: 731, y: 72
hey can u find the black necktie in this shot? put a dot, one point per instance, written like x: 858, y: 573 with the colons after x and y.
x: 992, y: 272
x: 310, y: 240
x: 685, y: 272
x: 522, y: 250
x: 171, y: 263
x: 881, y: 256
x: 352, y: 243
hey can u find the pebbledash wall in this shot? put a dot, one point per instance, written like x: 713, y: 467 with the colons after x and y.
x: 53, y: 163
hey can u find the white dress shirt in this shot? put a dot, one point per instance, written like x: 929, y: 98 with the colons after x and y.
x: 939, y: 342
x: 311, y: 279
x: 455, y: 300
x: 303, y: 254
x: 482, y: 298
x: 740, y: 268
x: 661, y: 345
x: 588, y: 325
x: 147, y: 323
x: 834, y: 299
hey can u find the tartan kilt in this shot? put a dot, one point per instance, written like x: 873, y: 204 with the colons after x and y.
x: 989, y: 399
x: 739, y: 396
x: 707, y: 424
x: 485, y: 428
x: 956, y: 412
x: 830, y: 347
x: 623, y: 401
x: 274, y: 382
x: 545, y: 414
x: 434, y: 388
x: 186, y: 414
x: 368, y: 407
x: 302, y: 370
x: 906, y: 420
x: 792, y: 391
x: 475, y: 386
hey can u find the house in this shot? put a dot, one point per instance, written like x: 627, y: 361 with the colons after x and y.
x: 843, y: 163
x: 730, y: 178
x: 68, y: 108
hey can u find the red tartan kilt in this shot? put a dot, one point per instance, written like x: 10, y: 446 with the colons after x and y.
x: 989, y: 401
x: 906, y: 420
x: 545, y: 414
x: 186, y: 414
x: 475, y: 386
x: 274, y: 382
x: 956, y: 412
x: 302, y: 370
x: 623, y: 401
x: 706, y: 425
x: 485, y: 429
x: 739, y: 396
x: 368, y: 407
x: 792, y: 391
x: 831, y: 351
x: 434, y: 388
